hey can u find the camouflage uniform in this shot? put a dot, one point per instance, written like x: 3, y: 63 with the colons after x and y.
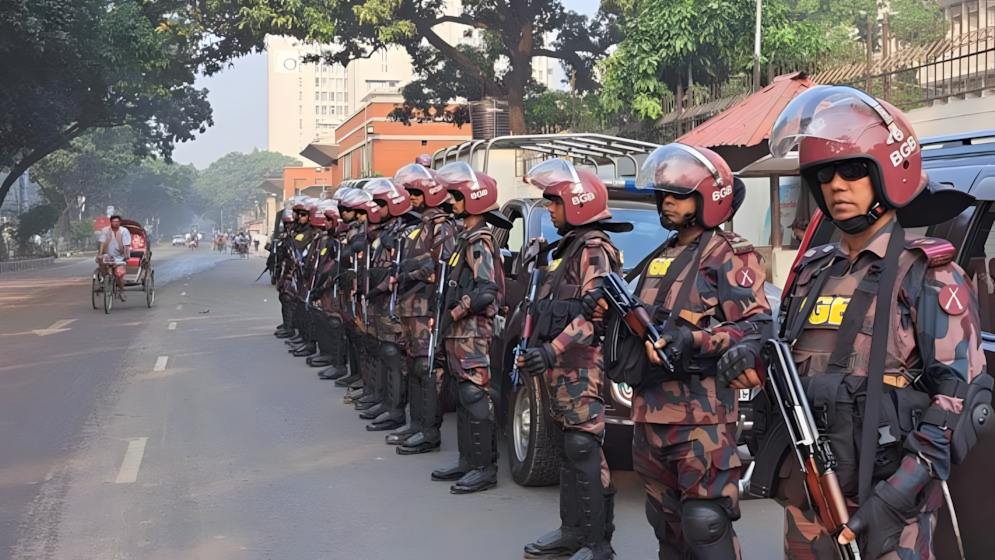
x: 353, y: 255
x: 292, y: 284
x: 684, y: 441
x: 925, y: 340
x: 474, y: 265
x: 425, y: 245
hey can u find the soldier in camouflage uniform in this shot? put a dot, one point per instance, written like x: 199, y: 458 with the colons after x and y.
x: 297, y: 267
x: 474, y: 294
x: 329, y: 329
x: 353, y: 208
x: 705, y: 287
x: 276, y: 262
x: 566, y: 348
x: 394, y: 204
x: 861, y: 161
x: 426, y: 243
x: 367, y: 325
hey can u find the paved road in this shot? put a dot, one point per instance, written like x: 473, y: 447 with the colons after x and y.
x: 231, y: 449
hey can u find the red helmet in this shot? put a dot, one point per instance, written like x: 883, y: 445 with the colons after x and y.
x: 317, y: 216
x: 680, y: 169
x: 332, y: 218
x: 415, y: 177
x: 478, y: 189
x: 584, y: 195
x: 300, y: 202
x: 397, y: 199
x: 424, y: 160
x: 827, y: 124
x: 288, y: 210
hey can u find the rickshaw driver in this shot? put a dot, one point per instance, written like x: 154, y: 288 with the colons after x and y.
x: 115, y: 241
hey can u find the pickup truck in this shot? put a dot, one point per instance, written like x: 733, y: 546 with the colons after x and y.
x: 965, y: 162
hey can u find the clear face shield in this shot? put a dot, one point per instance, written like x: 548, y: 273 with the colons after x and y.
x: 835, y: 113
x: 552, y: 172
x: 676, y: 169
x: 459, y: 172
x: 414, y: 176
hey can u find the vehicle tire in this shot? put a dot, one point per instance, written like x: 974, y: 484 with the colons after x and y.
x: 534, y: 438
x: 150, y: 288
x: 108, y: 293
x: 97, y: 292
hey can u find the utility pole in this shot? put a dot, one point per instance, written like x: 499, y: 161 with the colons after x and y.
x: 756, y: 53
x: 573, y: 98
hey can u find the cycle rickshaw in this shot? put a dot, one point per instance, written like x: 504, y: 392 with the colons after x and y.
x: 138, y: 271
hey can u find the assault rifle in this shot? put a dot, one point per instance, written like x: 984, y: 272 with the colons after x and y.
x: 812, y: 448
x: 527, y: 328
x: 434, y: 334
x: 618, y: 297
x: 366, y: 281
x: 397, y: 268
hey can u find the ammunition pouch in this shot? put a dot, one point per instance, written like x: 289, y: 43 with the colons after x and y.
x: 975, y: 416
x: 838, y: 401
x: 626, y: 360
x: 552, y: 317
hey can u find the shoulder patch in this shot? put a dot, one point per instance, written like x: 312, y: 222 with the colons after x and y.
x: 738, y: 243
x: 938, y: 251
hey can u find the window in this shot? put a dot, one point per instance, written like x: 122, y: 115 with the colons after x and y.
x: 392, y: 84
x: 980, y: 269
x: 347, y: 109
x: 324, y: 109
x: 316, y: 80
x: 549, y: 72
x: 338, y: 96
x: 300, y: 123
x: 339, y: 109
x: 300, y: 82
x: 316, y: 96
x: 300, y: 109
x: 315, y: 109
x: 338, y: 83
x: 346, y: 97
x: 300, y: 95
x: 324, y: 96
x: 424, y: 142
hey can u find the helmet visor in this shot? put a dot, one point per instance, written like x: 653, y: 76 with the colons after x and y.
x: 835, y: 113
x: 551, y: 172
x: 677, y: 169
x: 412, y: 175
x: 458, y: 172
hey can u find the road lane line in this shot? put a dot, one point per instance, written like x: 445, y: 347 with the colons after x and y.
x: 179, y: 307
x: 172, y: 326
x: 160, y: 364
x: 132, y: 461
x: 183, y: 293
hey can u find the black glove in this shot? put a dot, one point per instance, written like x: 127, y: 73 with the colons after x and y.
x: 538, y: 360
x: 589, y: 302
x: 445, y: 322
x: 883, y: 517
x: 680, y: 342
x: 733, y: 363
x: 482, y: 297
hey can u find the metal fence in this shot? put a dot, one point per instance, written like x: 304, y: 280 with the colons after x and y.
x: 29, y: 264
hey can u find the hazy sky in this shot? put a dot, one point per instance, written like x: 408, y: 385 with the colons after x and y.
x: 238, y: 96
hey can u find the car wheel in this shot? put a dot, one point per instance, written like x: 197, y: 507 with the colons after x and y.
x: 534, y: 438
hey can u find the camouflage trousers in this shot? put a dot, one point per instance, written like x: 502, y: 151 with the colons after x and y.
x: 577, y: 404
x: 418, y: 334
x: 805, y: 536
x: 469, y: 359
x: 678, y: 462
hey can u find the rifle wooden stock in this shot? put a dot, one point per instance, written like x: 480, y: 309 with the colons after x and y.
x: 527, y: 329
x: 637, y: 320
x: 827, y: 496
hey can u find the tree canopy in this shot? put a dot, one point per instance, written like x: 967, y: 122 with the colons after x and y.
x: 71, y: 66
x: 230, y: 183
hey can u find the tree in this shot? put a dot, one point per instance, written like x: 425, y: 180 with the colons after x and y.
x: 71, y: 66
x: 503, y: 38
x: 38, y: 220
x: 230, y: 183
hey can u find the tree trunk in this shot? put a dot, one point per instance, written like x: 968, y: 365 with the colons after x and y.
x: 516, y: 112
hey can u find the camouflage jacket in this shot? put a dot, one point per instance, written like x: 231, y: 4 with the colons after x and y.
x: 934, y: 329
x: 583, y: 256
x: 429, y: 242
x: 726, y: 303
x: 474, y: 263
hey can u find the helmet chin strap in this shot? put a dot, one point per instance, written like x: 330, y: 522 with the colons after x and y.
x: 687, y: 222
x: 858, y: 224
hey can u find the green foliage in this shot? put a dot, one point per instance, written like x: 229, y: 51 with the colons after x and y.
x: 82, y: 231
x: 230, y: 183
x: 553, y: 111
x: 38, y: 220
x: 917, y: 22
x: 71, y: 66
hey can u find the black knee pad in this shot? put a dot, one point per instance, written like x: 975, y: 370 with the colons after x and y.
x: 706, y: 524
x: 335, y: 322
x: 285, y: 297
x: 474, y: 400
x: 419, y: 366
x: 389, y: 351
x: 580, y: 446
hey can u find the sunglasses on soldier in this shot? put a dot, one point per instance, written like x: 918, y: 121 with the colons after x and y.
x: 680, y: 193
x: 849, y: 170
x: 301, y: 212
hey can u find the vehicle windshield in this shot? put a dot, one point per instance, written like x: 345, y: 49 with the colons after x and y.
x: 635, y: 245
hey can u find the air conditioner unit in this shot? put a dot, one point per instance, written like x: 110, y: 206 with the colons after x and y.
x: 489, y: 118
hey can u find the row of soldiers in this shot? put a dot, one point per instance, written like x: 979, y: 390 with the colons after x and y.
x: 394, y: 289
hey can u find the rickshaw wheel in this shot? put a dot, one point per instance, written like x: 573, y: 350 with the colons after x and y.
x: 150, y: 288
x: 109, y: 282
x: 96, y: 292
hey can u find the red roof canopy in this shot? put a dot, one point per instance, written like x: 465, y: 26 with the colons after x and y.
x: 749, y: 123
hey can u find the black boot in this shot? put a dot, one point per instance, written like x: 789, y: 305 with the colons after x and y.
x: 458, y: 468
x: 354, y: 373
x: 307, y: 349
x: 482, y: 457
x: 582, y: 452
x: 567, y: 539
x: 286, y: 329
x: 414, y: 390
x: 430, y: 437
x: 323, y: 336
x: 394, y: 383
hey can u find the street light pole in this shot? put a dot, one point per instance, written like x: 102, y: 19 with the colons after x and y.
x: 756, y: 53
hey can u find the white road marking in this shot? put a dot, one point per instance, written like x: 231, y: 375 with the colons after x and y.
x: 160, y: 364
x: 132, y: 461
x: 183, y: 293
x: 172, y: 326
x: 55, y: 328
x: 179, y: 307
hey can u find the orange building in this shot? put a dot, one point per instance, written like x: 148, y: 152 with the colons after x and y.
x: 368, y: 144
